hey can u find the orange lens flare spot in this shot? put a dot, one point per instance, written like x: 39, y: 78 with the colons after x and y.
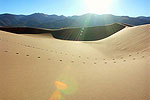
x: 56, y: 96
x: 60, y: 85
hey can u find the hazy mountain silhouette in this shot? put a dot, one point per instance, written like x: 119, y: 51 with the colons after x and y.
x: 41, y: 20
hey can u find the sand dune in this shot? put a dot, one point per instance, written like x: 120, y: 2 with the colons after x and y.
x: 75, y: 34
x: 24, y: 30
x: 115, y: 68
x: 88, y: 33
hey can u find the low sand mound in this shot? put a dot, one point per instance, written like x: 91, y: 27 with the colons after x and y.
x: 43, y: 35
x: 27, y: 31
x: 115, y: 68
x: 24, y: 30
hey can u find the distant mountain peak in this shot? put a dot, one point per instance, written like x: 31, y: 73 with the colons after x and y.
x: 38, y: 14
x: 42, y: 20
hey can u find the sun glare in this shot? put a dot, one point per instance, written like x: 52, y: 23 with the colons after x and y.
x: 98, y: 6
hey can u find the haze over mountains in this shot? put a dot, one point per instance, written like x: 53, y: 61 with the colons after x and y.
x: 41, y: 20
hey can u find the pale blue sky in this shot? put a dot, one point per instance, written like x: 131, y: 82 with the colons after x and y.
x: 73, y: 7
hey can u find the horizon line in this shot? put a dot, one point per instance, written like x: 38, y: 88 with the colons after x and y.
x: 73, y: 15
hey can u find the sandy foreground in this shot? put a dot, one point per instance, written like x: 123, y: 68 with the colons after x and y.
x: 40, y: 68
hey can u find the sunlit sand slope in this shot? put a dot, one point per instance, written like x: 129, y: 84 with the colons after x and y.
x: 115, y: 68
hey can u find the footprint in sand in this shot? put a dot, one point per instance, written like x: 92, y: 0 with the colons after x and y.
x: 72, y: 61
x: 133, y: 58
x: 27, y: 55
x: 121, y: 57
x: 124, y: 60
x: 49, y: 59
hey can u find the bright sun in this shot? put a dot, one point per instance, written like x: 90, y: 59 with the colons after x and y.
x: 98, y: 6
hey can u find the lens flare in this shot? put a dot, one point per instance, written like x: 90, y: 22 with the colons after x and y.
x: 56, y: 96
x: 60, y: 85
x: 66, y: 84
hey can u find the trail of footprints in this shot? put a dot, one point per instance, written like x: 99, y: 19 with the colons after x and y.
x: 96, y: 60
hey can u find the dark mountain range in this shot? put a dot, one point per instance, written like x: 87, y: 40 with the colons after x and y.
x: 41, y: 20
